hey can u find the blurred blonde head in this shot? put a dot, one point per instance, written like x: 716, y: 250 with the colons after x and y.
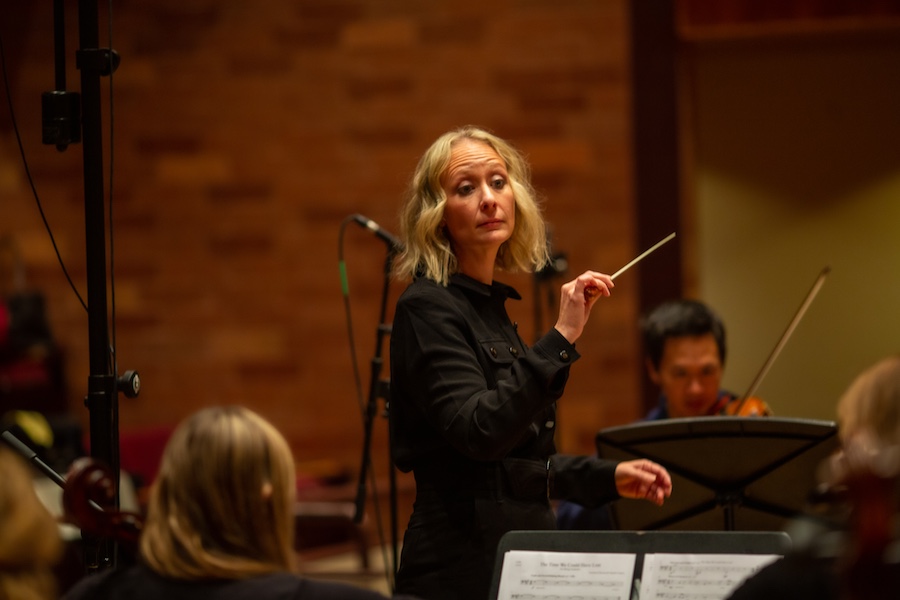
x: 30, y: 543
x: 427, y: 251
x: 222, y: 504
x: 870, y: 407
x: 869, y: 424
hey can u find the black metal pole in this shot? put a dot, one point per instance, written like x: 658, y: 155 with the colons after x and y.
x: 59, y: 44
x: 101, y: 400
x: 379, y: 388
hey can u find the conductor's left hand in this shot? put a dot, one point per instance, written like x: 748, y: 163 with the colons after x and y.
x: 643, y: 479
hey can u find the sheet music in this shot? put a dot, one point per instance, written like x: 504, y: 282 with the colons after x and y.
x: 697, y: 576
x: 529, y: 575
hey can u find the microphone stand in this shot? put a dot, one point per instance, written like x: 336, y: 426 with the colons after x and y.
x: 61, y: 127
x: 101, y: 399
x: 543, y: 279
x: 379, y: 388
x: 61, y: 111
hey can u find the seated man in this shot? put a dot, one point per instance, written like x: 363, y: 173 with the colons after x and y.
x: 685, y: 345
x: 684, y: 341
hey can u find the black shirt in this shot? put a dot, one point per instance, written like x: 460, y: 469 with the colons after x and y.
x: 458, y: 367
x: 473, y: 415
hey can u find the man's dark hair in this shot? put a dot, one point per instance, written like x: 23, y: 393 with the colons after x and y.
x: 680, y: 318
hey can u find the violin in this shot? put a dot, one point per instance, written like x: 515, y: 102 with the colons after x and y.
x: 746, y: 407
x: 88, y: 502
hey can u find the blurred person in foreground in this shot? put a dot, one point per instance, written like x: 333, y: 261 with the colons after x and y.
x: 473, y: 408
x: 30, y: 544
x: 219, y: 521
x: 848, y: 548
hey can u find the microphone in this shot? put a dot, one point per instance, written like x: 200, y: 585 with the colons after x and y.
x: 393, y: 243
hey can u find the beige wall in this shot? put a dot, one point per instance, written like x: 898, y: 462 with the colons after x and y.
x: 797, y: 166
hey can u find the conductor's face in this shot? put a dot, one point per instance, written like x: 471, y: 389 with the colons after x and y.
x: 481, y: 210
x: 689, y: 375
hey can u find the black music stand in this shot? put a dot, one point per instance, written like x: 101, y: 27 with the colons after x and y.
x: 728, y: 473
x: 639, y: 543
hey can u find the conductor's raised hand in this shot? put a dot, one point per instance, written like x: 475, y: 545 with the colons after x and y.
x: 576, y: 300
x: 643, y: 480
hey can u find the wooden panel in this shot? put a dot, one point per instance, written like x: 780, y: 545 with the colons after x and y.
x: 701, y: 19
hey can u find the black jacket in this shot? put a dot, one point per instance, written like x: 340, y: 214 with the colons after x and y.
x: 473, y: 415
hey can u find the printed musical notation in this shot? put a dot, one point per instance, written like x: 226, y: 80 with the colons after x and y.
x: 529, y: 575
x: 697, y: 576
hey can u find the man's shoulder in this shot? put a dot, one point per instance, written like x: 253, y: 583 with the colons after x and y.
x: 657, y: 413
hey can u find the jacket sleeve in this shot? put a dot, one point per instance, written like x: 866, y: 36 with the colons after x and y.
x: 444, y: 376
x: 587, y: 480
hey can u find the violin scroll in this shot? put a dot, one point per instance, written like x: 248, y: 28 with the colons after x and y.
x: 88, y: 499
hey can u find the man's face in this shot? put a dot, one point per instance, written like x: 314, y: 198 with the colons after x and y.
x: 689, y: 375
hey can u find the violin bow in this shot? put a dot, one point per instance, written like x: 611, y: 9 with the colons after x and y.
x: 820, y: 280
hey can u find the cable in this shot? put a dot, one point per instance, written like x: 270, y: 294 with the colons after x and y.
x: 345, y: 289
x: 12, y: 115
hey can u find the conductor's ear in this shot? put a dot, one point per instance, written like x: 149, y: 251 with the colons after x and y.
x: 267, y: 490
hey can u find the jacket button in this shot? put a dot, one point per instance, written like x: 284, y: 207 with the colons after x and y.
x: 493, y: 352
x: 564, y: 355
x: 513, y: 351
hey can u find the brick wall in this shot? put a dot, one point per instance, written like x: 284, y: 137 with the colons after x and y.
x: 245, y: 132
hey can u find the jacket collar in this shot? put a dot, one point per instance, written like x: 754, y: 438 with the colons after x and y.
x: 496, y: 288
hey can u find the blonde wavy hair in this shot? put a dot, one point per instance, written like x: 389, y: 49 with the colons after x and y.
x: 222, y: 504
x: 30, y: 543
x: 870, y: 407
x: 427, y: 251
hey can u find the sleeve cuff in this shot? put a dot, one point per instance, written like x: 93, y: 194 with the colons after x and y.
x: 557, y: 348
